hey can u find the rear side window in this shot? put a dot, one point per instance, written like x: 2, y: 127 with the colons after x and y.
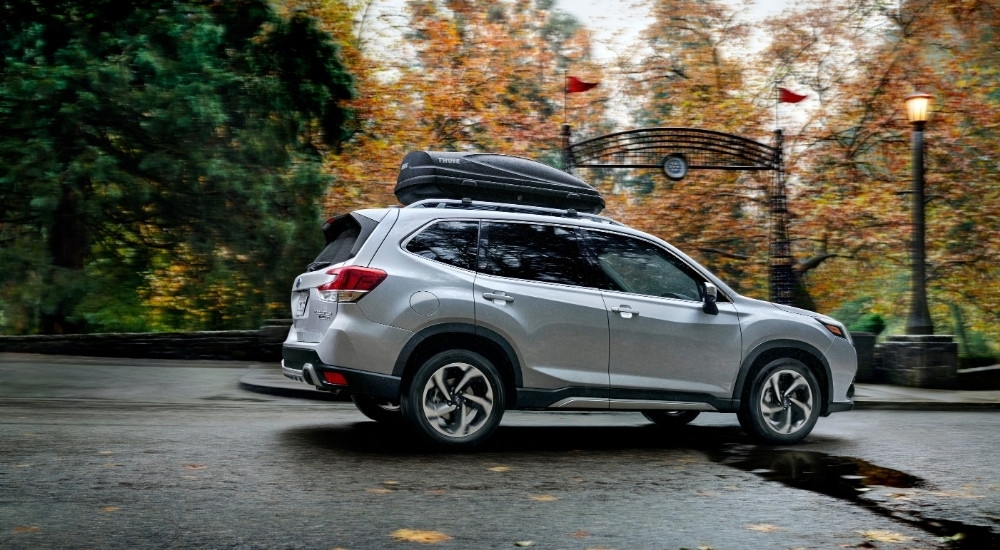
x: 344, y: 236
x: 451, y: 242
x: 536, y: 252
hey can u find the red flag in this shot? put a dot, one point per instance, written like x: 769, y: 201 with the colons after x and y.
x: 787, y: 96
x: 574, y: 85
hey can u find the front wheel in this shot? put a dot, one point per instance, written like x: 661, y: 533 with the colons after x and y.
x: 783, y: 404
x: 455, y: 399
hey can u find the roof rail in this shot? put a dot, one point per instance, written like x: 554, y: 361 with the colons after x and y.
x: 469, y: 204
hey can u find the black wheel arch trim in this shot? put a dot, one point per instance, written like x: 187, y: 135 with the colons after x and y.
x: 458, y: 328
x: 803, y: 347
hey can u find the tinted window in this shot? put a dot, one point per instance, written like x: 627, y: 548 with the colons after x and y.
x: 640, y: 267
x: 451, y: 242
x: 343, y: 235
x: 536, y: 252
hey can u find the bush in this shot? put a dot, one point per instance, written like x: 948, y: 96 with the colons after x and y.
x: 869, y: 322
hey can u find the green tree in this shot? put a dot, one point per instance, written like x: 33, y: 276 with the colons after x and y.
x: 160, y: 161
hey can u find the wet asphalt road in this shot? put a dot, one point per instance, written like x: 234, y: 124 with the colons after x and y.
x: 98, y: 453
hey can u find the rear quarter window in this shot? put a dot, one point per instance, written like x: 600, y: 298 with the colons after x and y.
x: 454, y: 243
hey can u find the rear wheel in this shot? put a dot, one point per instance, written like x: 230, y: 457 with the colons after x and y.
x: 379, y: 410
x: 783, y: 404
x: 455, y: 399
x: 670, y: 419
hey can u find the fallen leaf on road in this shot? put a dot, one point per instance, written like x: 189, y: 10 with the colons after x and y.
x: 500, y: 469
x: 885, y: 536
x: 416, y: 535
x: 544, y: 498
x: 379, y: 491
x: 110, y: 509
x: 581, y: 534
x: 27, y: 529
x: 763, y: 527
x: 524, y: 543
x: 195, y: 466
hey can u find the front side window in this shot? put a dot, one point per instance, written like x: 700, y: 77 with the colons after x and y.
x: 640, y: 267
x: 452, y: 242
x: 534, y: 252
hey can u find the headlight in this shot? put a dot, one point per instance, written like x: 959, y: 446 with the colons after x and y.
x: 835, y: 328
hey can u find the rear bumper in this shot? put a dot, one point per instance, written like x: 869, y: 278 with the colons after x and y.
x: 305, y: 366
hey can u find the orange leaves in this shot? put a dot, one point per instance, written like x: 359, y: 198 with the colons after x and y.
x: 476, y: 76
x: 419, y: 536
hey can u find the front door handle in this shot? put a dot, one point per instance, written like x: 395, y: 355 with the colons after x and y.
x: 625, y: 311
x: 498, y: 297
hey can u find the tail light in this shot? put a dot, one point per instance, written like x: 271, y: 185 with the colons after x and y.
x: 350, y: 283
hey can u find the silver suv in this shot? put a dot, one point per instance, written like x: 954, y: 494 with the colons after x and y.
x: 446, y: 313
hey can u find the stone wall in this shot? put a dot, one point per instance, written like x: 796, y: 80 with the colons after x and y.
x: 237, y: 345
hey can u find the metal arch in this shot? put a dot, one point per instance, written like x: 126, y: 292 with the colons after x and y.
x: 647, y: 147
x: 702, y: 149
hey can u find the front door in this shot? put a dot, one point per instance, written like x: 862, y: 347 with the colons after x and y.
x: 663, y: 345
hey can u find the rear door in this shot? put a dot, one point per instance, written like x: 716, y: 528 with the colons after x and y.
x: 533, y: 289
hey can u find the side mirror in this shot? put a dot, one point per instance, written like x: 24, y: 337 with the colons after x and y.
x: 711, y: 295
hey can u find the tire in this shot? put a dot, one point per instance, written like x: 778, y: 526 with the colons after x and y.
x: 671, y: 419
x: 377, y: 409
x: 455, y: 399
x: 783, y: 403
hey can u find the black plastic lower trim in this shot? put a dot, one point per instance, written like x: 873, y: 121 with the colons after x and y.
x: 384, y: 386
x: 838, y: 407
x: 541, y: 399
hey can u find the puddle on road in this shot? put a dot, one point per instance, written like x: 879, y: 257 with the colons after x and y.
x: 849, y: 478
x: 835, y: 476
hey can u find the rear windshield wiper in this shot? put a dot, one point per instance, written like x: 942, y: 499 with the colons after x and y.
x: 317, y: 265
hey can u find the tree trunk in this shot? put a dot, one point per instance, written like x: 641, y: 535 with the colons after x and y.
x: 68, y: 247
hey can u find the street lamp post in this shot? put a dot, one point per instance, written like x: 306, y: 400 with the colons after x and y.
x: 919, y: 320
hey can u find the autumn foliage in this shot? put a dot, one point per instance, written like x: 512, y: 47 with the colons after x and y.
x: 478, y: 75
x: 488, y: 76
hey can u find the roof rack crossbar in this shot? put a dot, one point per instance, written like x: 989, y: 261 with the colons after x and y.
x: 507, y: 207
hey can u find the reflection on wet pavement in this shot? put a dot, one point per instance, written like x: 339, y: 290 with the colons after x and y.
x: 849, y: 478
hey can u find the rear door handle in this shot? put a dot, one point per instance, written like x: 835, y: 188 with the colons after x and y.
x: 498, y: 297
x: 625, y: 311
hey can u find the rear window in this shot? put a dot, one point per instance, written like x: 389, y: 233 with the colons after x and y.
x: 344, y: 236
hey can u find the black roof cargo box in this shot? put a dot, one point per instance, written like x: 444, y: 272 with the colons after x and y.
x: 495, y: 178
